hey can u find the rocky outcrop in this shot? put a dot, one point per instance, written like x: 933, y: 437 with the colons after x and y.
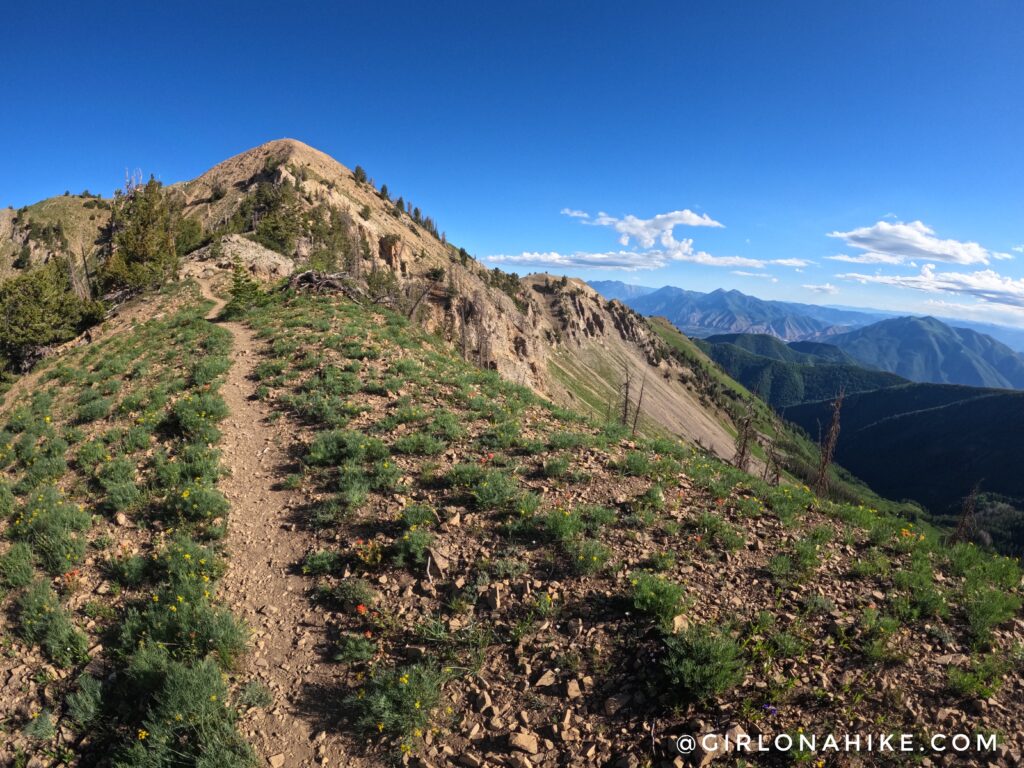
x: 262, y: 263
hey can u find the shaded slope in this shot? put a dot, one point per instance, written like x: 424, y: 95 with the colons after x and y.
x: 927, y: 350
x: 931, y: 443
x: 782, y: 380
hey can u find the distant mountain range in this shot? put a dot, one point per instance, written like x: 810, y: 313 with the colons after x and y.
x: 704, y: 314
x: 616, y: 289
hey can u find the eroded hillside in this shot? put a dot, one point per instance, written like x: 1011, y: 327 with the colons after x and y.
x: 562, y: 341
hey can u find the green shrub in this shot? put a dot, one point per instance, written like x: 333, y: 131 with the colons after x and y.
x: 562, y: 525
x: 185, y: 622
x: 924, y: 599
x: 422, y: 515
x: 53, y: 528
x: 208, y: 369
x: 596, y: 517
x: 255, y: 695
x: 43, y: 621
x: 184, y: 716
x: 385, y: 475
x: 410, y: 548
x: 336, y: 447
x: 321, y: 563
x: 987, y: 607
x: 699, y: 664
x: 196, y: 502
x: 195, y: 416
x: 494, y: 490
x: 419, y: 444
x: 587, y: 555
x: 16, y: 569
x: 353, y: 592
x: 397, y: 702
x: 355, y: 648
x: 658, y: 598
x: 40, y: 726
x: 980, y: 681
x: 555, y: 467
x: 447, y: 426
x: 84, y: 702
x: 715, y: 530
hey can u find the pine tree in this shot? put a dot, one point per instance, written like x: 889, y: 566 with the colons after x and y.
x: 245, y: 292
x: 142, y: 233
x: 38, y: 308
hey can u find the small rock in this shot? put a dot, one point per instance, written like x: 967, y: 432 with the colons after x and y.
x: 546, y: 680
x: 524, y: 742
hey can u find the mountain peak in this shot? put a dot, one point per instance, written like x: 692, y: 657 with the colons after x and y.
x: 252, y: 161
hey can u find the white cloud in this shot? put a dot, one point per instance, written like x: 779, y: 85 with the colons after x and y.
x: 987, y: 285
x: 1018, y: 248
x: 898, y: 242
x: 628, y: 261
x: 656, y: 244
x: 993, y: 313
x: 825, y: 288
x: 867, y: 258
x: 647, y: 232
x: 764, y: 275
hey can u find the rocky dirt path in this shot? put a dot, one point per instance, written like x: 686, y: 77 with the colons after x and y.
x: 264, y: 586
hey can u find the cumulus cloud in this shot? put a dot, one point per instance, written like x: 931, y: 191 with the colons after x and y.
x: 655, y: 246
x: 659, y: 229
x: 987, y: 285
x: 825, y: 288
x: 1018, y: 248
x: 899, y: 242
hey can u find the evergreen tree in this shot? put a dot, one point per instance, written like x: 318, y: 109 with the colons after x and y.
x: 38, y: 308
x: 245, y: 292
x: 142, y: 233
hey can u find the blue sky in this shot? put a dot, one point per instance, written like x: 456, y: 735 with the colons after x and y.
x: 884, y: 133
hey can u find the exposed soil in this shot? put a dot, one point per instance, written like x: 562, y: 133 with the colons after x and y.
x: 263, y: 584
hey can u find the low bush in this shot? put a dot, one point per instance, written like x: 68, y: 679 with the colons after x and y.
x: 657, y: 598
x: 43, y: 621
x: 699, y: 664
x: 397, y: 701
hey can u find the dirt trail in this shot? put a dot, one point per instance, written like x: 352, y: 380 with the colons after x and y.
x: 263, y: 585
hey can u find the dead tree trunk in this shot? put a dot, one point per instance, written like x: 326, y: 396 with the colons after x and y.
x: 744, y: 438
x: 639, y: 403
x: 828, y: 445
x: 966, y: 522
x: 627, y: 380
x: 772, y: 466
